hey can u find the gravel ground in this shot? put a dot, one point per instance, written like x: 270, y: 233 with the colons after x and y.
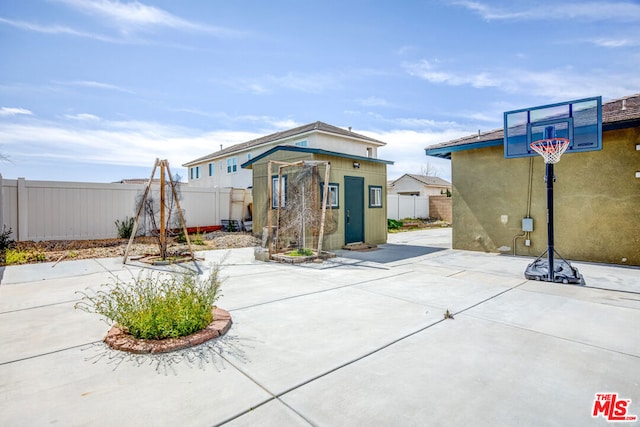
x: 65, y: 250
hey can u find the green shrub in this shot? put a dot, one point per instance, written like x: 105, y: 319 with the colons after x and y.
x: 16, y: 256
x: 165, y: 305
x: 195, y: 239
x: 6, y: 242
x: 392, y: 224
x: 300, y: 252
x: 125, y: 228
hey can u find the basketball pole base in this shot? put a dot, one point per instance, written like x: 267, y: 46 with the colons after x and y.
x: 563, y: 271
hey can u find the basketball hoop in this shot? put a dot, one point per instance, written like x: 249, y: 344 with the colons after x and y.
x: 551, y: 149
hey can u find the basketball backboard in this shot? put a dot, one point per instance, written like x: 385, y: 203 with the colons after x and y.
x: 579, y: 121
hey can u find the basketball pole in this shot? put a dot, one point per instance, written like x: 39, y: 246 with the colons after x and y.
x: 550, y: 132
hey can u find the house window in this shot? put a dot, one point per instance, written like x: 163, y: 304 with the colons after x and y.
x: 211, y: 168
x: 275, y: 191
x: 302, y: 143
x: 375, y: 196
x: 369, y: 152
x: 232, y: 165
x: 332, y: 195
x: 194, y: 172
x: 248, y: 156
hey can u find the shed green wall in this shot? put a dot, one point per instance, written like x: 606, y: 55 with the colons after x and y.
x: 596, y: 201
x: 374, y: 174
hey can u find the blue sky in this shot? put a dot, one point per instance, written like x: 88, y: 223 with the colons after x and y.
x: 96, y: 90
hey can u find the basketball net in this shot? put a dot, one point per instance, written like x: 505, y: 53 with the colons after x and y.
x: 550, y: 149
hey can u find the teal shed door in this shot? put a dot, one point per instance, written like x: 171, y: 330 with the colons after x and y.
x: 353, y: 209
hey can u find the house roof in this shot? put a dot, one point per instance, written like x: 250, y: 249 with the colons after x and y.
x: 274, y: 137
x: 619, y: 113
x: 432, y: 181
x: 137, y: 181
x: 249, y: 164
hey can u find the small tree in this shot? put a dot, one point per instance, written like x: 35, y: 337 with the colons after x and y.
x: 429, y: 170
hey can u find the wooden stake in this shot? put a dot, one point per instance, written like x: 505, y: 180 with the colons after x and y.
x: 325, y: 195
x: 182, y: 221
x: 163, y: 230
x: 135, y: 223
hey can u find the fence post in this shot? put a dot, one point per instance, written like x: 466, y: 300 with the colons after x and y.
x: 23, y: 211
x: 414, y: 206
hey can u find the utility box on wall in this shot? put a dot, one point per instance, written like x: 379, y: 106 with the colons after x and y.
x: 527, y: 224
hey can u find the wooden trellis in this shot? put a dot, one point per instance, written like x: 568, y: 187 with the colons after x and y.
x: 164, y: 171
x: 272, y: 244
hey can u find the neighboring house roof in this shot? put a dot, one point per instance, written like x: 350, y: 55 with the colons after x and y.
x: 249, y: 164
x: 137, y: 181
x: 431, y: 181
x: 619, y: 113
x: 274, y: 137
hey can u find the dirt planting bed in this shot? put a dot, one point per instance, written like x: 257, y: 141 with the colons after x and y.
x: 65, y: 250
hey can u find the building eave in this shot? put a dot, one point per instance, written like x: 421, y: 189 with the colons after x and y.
x: 291, y: 148
x: 445, y: 152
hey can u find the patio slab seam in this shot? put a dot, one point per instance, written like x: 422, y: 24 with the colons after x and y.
x: 522, y: 328
x: 34, y: 356
x: 39, y: 306
x: 348, y: 285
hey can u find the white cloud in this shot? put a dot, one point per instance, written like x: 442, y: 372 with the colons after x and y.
x: 406, y: 149
x: 82, y: 117
x: 428, y: 71
x: 373, y: 101
x: 308, y: 83
x: 57, y: 29
x: 116, y: 143
x: 313, y: 83
x: 558, y: 10
x: 11, y: 111
x: 138, y: 144
x: 615, y: 43
x: 93, y: 85
x: 558, y: 84
x: 132, y: 16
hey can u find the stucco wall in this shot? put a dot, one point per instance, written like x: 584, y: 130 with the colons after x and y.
x: 596, y: 194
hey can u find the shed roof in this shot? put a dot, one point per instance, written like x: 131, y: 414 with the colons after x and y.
x: 249, y: 164
x: 616, y: 114
x: 274, y: 137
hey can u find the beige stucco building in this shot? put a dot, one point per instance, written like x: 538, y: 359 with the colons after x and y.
x: 419, y: 185
x: 597, y: 194
x: 357, y: 210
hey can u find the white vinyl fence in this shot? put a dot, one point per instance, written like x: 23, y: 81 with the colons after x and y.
x: 49, y: 210
x: 399, y: 207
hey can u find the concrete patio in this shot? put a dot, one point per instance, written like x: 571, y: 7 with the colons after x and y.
x: 358, y: 340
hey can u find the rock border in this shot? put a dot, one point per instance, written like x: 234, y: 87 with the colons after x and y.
x: 118, y: 339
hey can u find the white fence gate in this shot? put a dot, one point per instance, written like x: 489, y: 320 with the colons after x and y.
x: 49, y: 210
x: 399, y: 207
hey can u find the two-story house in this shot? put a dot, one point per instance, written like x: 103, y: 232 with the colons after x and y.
x: 222, y: 168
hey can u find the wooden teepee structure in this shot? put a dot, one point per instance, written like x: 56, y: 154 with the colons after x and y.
x: 162, y: 242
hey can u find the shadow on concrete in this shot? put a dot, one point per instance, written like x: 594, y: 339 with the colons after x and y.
x: 389, y: 253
